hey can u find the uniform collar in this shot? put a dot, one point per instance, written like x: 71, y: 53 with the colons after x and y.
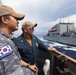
x: 7, y: 36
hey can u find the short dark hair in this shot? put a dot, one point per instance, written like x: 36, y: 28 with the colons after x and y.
x: 6, y: 16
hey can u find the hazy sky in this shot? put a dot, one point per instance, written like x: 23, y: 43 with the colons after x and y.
x: 44, y: 12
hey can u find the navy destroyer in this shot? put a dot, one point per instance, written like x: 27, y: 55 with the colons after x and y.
x: 63, y: 33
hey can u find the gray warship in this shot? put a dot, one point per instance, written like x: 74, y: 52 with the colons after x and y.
x: 63, y: 33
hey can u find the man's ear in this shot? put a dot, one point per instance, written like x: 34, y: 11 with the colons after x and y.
x: 4, y: 20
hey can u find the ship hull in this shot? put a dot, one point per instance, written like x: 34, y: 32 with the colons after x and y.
x: 65, y: 40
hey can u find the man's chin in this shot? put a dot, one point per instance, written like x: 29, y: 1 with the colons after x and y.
x: 15, y: 30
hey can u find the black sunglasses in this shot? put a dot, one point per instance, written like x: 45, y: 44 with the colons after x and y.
x: 32, y: 28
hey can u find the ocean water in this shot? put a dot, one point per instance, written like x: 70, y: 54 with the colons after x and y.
x: 65, y: 49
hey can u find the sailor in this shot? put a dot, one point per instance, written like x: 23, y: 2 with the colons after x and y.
x: 9, y: 57
x: 28, y: 45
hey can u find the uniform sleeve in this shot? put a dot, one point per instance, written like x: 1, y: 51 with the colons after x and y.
x: 1, y: 68
x: 41, y: 46
x: 16, y: 46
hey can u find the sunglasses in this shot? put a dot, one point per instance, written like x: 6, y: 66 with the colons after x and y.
x: 32, y: 28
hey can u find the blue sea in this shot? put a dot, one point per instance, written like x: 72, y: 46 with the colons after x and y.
x: 65, y: 49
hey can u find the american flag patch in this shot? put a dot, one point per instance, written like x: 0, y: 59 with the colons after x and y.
x: 5, y: 51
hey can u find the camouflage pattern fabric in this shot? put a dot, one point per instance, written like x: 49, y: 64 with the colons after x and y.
x: 10, y: 62
x: 27, y: 71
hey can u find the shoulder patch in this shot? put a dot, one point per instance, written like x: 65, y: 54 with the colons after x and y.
x: 5, y: 51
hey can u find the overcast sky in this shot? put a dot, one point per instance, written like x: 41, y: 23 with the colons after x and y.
x: 44, y: 12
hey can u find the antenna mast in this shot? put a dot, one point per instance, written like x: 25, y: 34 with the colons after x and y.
x: 63, y: 19
x: 60, y: 20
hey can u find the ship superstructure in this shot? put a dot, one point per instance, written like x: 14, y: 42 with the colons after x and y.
x: 63, y: 33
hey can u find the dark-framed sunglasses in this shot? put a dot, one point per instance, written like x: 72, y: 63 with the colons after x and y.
x: 32, y: 28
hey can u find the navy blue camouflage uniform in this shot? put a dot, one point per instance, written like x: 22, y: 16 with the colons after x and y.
x: 29, y: 53
x: 9, y: 57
